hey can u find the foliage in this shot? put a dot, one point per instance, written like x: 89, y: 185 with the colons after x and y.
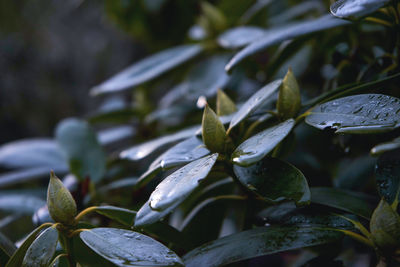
x: 283, y: 164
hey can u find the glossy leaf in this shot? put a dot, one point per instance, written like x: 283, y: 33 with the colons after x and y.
x: 275, y: 180
x: 285, y: 33
x: 289, y: 99
x: 143, y: 150
x: 257, y: 242
x: 147, y: 216
x: 41, y: 251
x: 121, y: 215
x: 128, y: 248
x: 349, y: 201
x: 368, y: 113
x: 387, y: 174
x: 254, y: 102
x: 29, y: 153
x: 176, y: 187
x: 80, y: 145
x: 213, y: 131
x: 20, y: 203
x: 240, y: 36
x: 355, y: 9
x: 258, y: 146
x: 148, y: 69
x: 385, y: 147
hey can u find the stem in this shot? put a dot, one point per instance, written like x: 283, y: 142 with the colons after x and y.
x: 56, y: 258
x: 84, y: 212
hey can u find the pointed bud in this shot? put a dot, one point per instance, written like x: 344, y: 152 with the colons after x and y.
x: 61, y: 204
x: 225, y: 105
x: 289, y: 100
x: 213, y: 131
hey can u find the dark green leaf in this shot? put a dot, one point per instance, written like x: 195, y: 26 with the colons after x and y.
x: 240, y: 36
x: 355, y: 9
x: 368, y: 113
x: 41, y: 251
x: 385, y: 147
x: 29, y: 153
x: 258, y: 146
x: 7, y: 247
x: 176, y: 187
x: 114, y: 116
x: 127, y: 182
x: 213, y: 131
x: 286, y: 33
x: 146, y: 215
x: 148, y: 69
x: 254, y: 102
x: 85, y: 256
x: 257, y: 242
x: 18, y: 203
x: 121, y: 215
x: 128, y: 248
x: 80, y: 145
x: 275, y: 180
x: 115, y: 134
x: 300, y: 9
x: 354, y: 202
x: 387, y: 173
x: 61, y: 261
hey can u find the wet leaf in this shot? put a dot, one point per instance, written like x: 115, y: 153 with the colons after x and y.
x: 285, y: 33
x: 367, y: 113
x: 275, y: 180
x: 143, y: 150
x: 41, y: 251
x: 387, y: 175
x: 240, y: 36
x: 20, y: 203
x: 128, y: 248
x: 386, y: 147
x: 354, y: 202
x: 254, y: 102
x: 258, y: 146
x: 176, y: 187
x: 147, y: 216
x: 79, y: 143
x: 213, y: 131
x: 121, y: 215
x: 258, y: 242
x: 61, y: 204
x: 29, y: 153
x: 148, y: 69
x: 289, y: 99
x: 225, y: 105
x: 355, y: 9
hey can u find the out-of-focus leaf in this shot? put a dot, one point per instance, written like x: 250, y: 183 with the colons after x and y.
x: 29, y: 153
x: 213, y: 131
x: 299, y: 9
x: 289, y: 99
x: 7, y: 249
x: 367, y: 113
x: 354, y: 202
x: 258, y: 146
x: 355, y: 9
x: 128, y: 248
x: 128, y: 182
x: 148, y: 69
x: 385, y: 147
x: 240, y: 36
x: 387, y: 173
x: 176, y: 187
x: 41, y: 251
x: 254, y: 102
x: 353, y: 173
x: 115, y: 134
x: 275, y: 180
x: 123, y: 115
x: 225, y: 105
x: 27, y: 175
x: 18, y: 203
x: 80, y: 145
x: 121, y: 215
x: 286, y: 33
x: 143, y: 150
x: 257, y: 242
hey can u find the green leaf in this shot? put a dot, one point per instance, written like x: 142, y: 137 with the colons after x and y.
x: 61, y: 204
x: 254, y: 102
x: 387, y: 175
x: 355, y: 9
x: 240, y: 36
x: 26, y: 175
x: 29, y: 153
x: 285, y: 33
x: 128, y: 248
x: 213, y: 131
x: 121, y: 215
x: 367, y: 113
x: 258, y: 242
x: 386, y: 147
x: 148, y: 69
x: 41, y: 251
x: 80, y: 145
x: 258, y: 146
x: 147, y: 216
x: 354, y: 202
x: 177, y: 187
x: 115, y: 134
x: 225, y: 105
x: 7, y: 249
x: 85, y: 256
x: 275, y: 180
x: 289, y: 99
x: 17, y: 258
x: 141, y: 151
x: 18, y: 203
